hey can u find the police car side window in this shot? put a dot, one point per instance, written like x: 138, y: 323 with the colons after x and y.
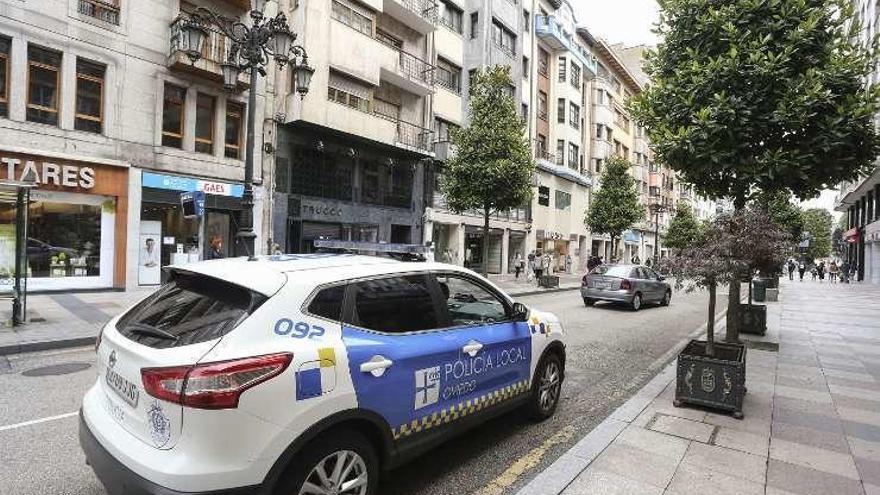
x: 328, y: 303
x: 468, y: 303
x: 395, y: 304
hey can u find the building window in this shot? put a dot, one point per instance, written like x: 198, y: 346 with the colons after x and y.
x: 597, y: 164
x: 542, y: 105
x: 543, y: 61
x: 205, y: 123
x: 387, y: 109
x: 389, y: 39
x: 560, y: 152
x: 575, y: 76
x: 600, y: 134
x: 174, y: 99
x: 475, y: 21
x: 542, y: 144
x: 525, y: 67
x: 451, y: 17
x: 574, y: 115
x: 234, y: 118
x: 560, y: 110
x: 563, y: 65
x: 573, y: 155
x: 353, y: 15
x: 524, y: 111
x: 349, y: 92
x: 615, y: 83
x: 503, y: 38
x: 104, y: 10
x: 526, y: 20
x: 44, y: 81
x: 5, y: 44
x: 543, y: 195
x: 442, y: 128
x: 563, y: 200
x: 449, y: 75
x: 323, y: 174
x: 89, y: 96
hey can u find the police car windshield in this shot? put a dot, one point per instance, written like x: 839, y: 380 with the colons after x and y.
x: 189, y: 309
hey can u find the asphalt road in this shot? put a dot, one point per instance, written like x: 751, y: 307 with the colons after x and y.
x: 611, y: 353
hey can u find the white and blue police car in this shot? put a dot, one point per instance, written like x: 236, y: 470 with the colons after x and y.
x: 307, y: 374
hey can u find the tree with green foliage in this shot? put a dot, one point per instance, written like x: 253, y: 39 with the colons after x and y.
x: 615, y: 206
x: 684, y: 229
x: 783, y: 212
x: 760, y: 95
x: 818, y: 223
x: 492, y: 169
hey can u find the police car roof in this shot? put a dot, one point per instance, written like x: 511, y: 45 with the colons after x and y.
x: 268, y: 274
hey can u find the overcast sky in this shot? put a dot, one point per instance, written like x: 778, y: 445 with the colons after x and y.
x: 619, y: 21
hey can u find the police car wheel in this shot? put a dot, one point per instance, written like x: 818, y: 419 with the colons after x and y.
x: 342, y: 463
x: 546, y: 387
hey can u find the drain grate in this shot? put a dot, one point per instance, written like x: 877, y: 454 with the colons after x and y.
x: 57, y: 369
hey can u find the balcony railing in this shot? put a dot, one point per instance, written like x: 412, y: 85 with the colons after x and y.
x: 426, y: 9
x: 416, y: 69
x: 414, y: 136
x: 103, y: 10
x: 215, y: 50
x: 544, y: 155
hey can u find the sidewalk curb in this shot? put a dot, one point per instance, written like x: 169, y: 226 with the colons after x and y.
x: 532, y: 292
x: 46, y: 345
x: 562, y: 472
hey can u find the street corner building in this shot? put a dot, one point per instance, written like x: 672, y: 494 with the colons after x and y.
x: 132, y: 153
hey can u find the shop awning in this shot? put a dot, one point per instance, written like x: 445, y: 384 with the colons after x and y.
x: 851, y: 235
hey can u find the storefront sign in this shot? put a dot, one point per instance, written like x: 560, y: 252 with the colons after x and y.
x: 43, y: 172
x: 319, y: 209
x: 851, y: 235
x: 190, y: 184
x: 193, y: 204
x: 632, y: 236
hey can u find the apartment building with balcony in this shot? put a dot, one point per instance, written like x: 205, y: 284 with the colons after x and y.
x: 472, y: 34
x: 351, y: 156
x: 98, y: 104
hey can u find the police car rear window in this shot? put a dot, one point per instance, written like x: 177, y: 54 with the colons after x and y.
x: 327, y: 303
x: 395, y: 304
x: 189, y: 309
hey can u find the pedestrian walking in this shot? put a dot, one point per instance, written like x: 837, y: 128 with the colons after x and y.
x: 568, y: 263
x: 821, y: 271
x: 635, y: 260
x: 791, y: 267
x: 833, y: 271
x: 801, y: 269
x: 538, y: 267
x: 530, y: 266
x: 813, y: 272
x: 844, y: 272
x: 517, y: 265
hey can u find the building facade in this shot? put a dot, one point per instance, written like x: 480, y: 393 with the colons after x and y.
x: 100, y: 103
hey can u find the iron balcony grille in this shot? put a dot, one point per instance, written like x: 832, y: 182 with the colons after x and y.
x: 544, y: 155
x: 426, y: 9
x: 414, y: 136
x: 448, y: 80
x: 416, y: 69
x: 103, y: 10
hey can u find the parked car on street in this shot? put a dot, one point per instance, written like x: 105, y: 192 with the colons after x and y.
x: 633, y: 285
x: 307, y: 374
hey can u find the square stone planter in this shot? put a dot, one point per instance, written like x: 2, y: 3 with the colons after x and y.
x: 717, y: 382
x: 549, y: 281
x: 772, y: 295
x: 753, y: 319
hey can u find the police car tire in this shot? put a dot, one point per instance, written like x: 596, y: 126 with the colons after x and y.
x: 534, y: 409
x: 301, y: 466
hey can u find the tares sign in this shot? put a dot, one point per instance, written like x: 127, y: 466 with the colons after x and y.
x: 47, y: 173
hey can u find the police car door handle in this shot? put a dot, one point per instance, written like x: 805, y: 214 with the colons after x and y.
x: 472, y: 348
x: 376, y: 365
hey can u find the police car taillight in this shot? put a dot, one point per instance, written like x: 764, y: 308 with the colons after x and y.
x: 215, y: 385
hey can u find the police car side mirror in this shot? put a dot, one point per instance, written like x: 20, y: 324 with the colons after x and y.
x: 520, y: 311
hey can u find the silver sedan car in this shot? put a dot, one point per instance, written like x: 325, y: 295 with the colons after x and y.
x: 633, y: 285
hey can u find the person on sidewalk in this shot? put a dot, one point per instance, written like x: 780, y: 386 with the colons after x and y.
x: 791, y: 266
x: 538, y: 267
x: 814, y: 272
x: 821, y: 271
x: 517, y: 265
x: 801, y: 269
x: 833, y: 271
x: 568, y: 263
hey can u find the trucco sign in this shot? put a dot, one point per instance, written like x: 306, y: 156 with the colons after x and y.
x: 48, y: 173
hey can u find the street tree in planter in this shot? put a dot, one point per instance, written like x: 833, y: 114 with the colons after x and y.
x: 787, y: 215
x: 709, y: 373
x: 818, y: 222
x: 684, y: 229
x: 492, y: 169
x: 615, y: 206
x: 750, y: 96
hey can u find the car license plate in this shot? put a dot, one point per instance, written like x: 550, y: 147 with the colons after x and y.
x: 123, y: 388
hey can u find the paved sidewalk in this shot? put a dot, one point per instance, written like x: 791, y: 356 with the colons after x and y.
x: 812, y: 415
x: 520, y: 286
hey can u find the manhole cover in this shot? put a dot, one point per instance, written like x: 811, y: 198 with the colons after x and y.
x: 57, y: 369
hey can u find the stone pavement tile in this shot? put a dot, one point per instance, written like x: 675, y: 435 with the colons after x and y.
x: 842, y: 360
x: 781, y: 404
x: 554, y: 479
x: 850, y: 375
x: 806, y: 481
x: 811, y: 361
x: 798, y: 371
x: 822, y: 397
x: 843, y: 382
x: 872, y: 489
x: 861, y: 430
x: 814, y: 458
x: 653, y: 442
x: 636, y: 464
x: 864, y: 449
x: 693, y: 479
x: 751, y: 443
x: 859, y: 415
x: 684, y: 428
x: 869, y: 470
x: 808, y: 436
x: 857, y: 392
x: 665, y: 407
x: 596, y: 482
x: 758, y: 424
x: 810, y: 382
x: 777, y: 491
x: 739, y: 464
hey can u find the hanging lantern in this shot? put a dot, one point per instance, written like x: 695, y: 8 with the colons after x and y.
x: 192, y: 38
x: 230, y: 75
x: 302, y: 77
x: 283, y: 39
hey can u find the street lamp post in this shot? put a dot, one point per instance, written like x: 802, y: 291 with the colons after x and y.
x: 657, y: 209
x: 252, y: 47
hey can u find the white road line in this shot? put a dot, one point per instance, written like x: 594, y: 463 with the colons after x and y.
x: 37, y: 421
